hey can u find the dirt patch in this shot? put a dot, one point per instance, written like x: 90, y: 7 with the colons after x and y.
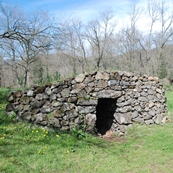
x: 110, y: 136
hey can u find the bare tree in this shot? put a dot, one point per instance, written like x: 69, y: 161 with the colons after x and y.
x: 25, y: 37
x: 128, y: 40
x: 157, y: 41
x: 81, y: 44
x: 99, y: 34
x: 73, y: 44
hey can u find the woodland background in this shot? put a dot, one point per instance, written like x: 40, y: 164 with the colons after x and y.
x: 36, y: 48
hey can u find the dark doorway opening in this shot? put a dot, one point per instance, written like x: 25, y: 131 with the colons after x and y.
x: 105, y: 110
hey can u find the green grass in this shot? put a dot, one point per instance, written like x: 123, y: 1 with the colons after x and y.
x: 25, y: 148
x: 169, y: 96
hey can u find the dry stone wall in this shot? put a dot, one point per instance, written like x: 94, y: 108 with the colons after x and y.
x: 102, y: 100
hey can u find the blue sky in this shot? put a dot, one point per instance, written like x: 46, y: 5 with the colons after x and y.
x: 68, y: 4
x: 83, y: 9
x: 87, y: 10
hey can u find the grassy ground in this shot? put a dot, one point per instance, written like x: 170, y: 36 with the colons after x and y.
x: 169, y: 96
x: 25, y: 148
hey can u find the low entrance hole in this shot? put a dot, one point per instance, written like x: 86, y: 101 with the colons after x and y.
x: 105, y: 110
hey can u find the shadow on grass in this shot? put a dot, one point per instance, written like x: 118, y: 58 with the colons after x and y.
x: 3, y: 95
x: 4, y: 119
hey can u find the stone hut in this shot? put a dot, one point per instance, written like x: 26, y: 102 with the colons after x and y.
x: 100, y: 100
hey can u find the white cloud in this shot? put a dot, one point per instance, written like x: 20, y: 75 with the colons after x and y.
x: 90, y: 9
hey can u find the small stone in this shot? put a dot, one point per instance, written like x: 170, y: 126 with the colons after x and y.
x: 30, y: 93
x: 58, y: 113
x: 102, y: 75
x: 121, y: 134
x: 17, y: 93
x: 37, y: 104
x: 26, y: 107
x: 46, y: 109
x: 82, y: 94
x: 88, y: 79
x: 109, y: 94
x: 80, y: 78
x: 158, y: 118
x: 147, y: 117
x: 123, y: 118
x: 143, y: 99
x: 10, y: 98
x: 125, y: 109
x: 143, y: 94
x: 56, y: 103
x: 43, y: 123
x: 88, y: 90
x: 72, y: 99
x: 124, y: 83
x: 122, y: 128
x: 55, y: 90
x: 112, y: 82
x: 59, y: 88
x: 85, y: 110
x: 138, y: 108
x: 164, y: 119
x: 151, y: 97
x: 158, y: 105
x: 39, y: 89
x: 151, y: 104
x: 150, y: 92
x: 74, y: 91
x: 126, y: 103
x: 91, y: 119
x: 153, y: 78
x: 159, y: 91
x: 135, y: 114
x: 26, y: 116
x: 48, y: 91
x: 38, y: 117
x: 152, y: 112
x: 64, y: 123
x: 121, y: 99
x: 71, y: 114
x: 19, y: 107
x: 91, y: 84
x: 45, y: 96
x: 159, y: 96
x: 39, y: 97
x: 90, y: 109
x: 148, y: 122
x: 87, y: 102
x: 78, y: 86
x: 135, y: 78
x: 55, y: 122
x: 35, y: 111
x: 77, y: 120
x: 65, y: 92
x: 101, y: 84
x: 138, y: 120
x: 52, y: 96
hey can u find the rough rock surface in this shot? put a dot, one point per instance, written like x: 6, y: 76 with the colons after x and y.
x: 105, y: 100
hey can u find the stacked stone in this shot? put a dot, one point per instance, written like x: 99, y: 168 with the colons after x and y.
x: 73, y: 101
